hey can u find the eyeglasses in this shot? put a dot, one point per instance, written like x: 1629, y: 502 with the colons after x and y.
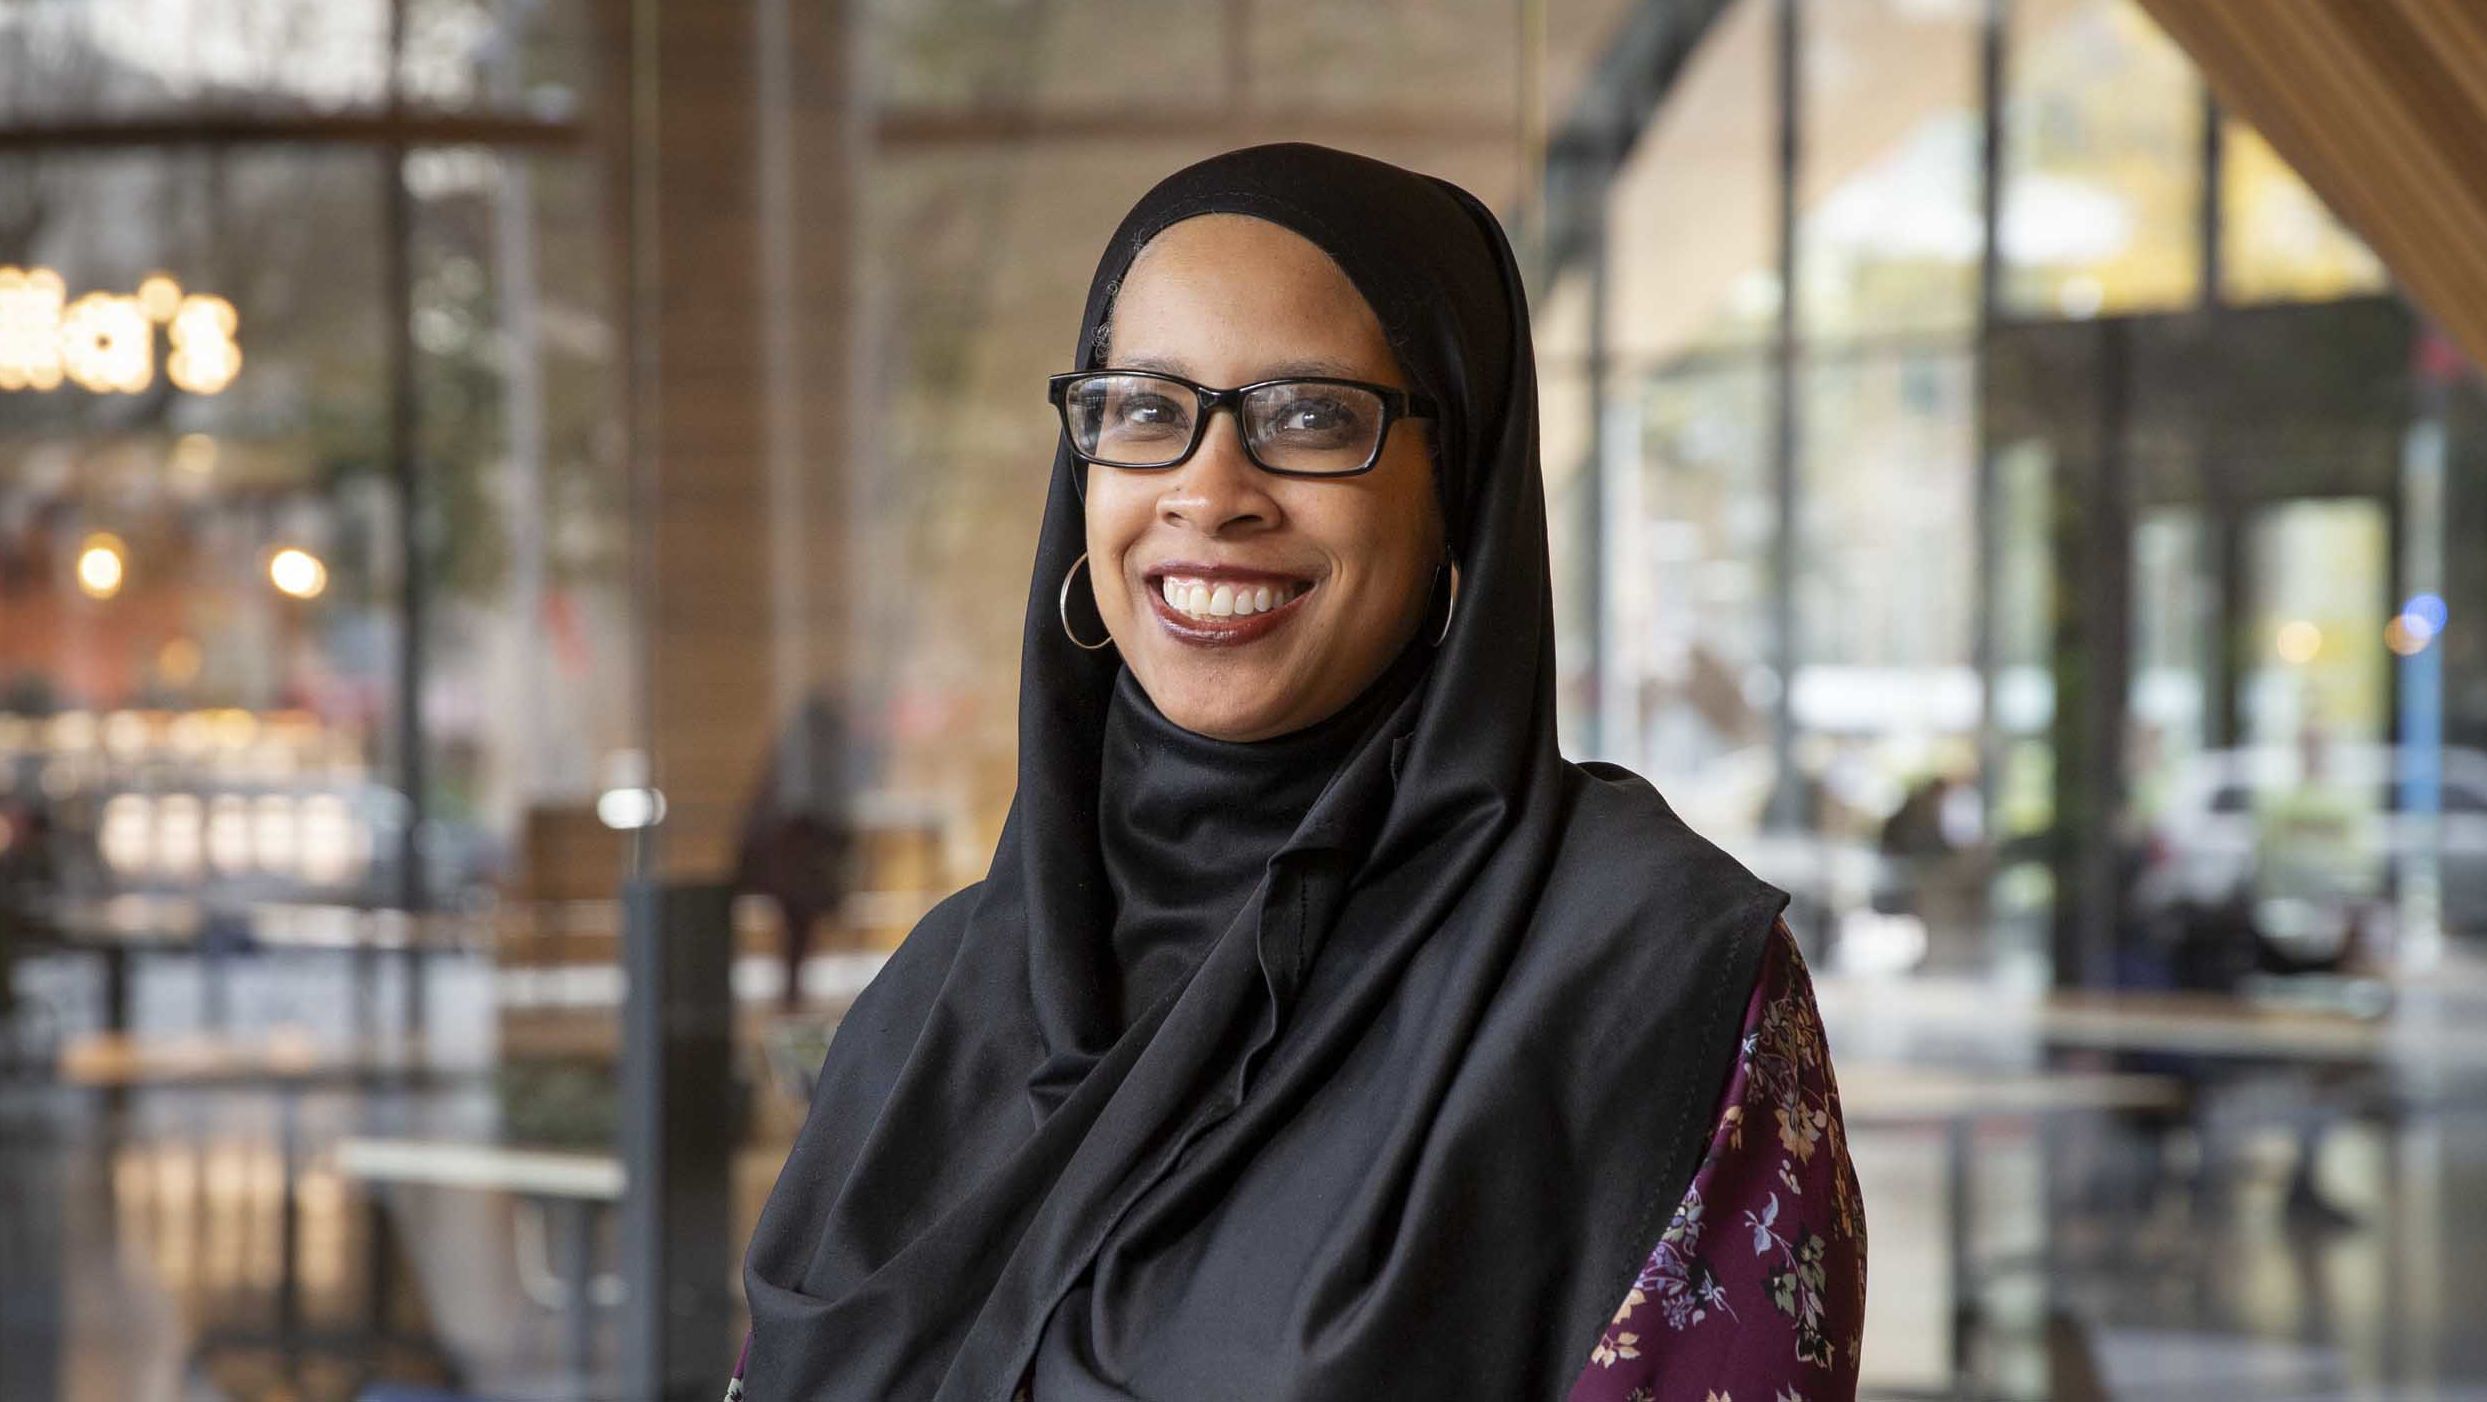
x: 1302, y: 427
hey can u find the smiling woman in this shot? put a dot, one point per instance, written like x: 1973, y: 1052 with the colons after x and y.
x: 1315, y: 1009
x: 1347, y: 560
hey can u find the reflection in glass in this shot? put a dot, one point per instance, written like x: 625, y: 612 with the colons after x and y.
x: 71, y: 60
x: 2277, y: 239
x: 1885, y: 694
x: 1891, y: 234
x: 2320, y: 576
x: 1688, y: 528
x: 2173, y: 653
x: 2102, y: 187
x: 1692, y: 215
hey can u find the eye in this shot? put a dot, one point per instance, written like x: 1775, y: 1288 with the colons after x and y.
x: 1147, y: 409
x: 1319, y: 415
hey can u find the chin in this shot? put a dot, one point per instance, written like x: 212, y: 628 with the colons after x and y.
x: 1208, y: 704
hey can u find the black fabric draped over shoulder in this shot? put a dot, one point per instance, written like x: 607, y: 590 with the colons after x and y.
x: 1410, y: 1124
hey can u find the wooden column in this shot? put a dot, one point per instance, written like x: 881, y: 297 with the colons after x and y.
x: 731, y: 126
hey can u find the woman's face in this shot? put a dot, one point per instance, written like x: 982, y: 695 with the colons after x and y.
x: 1225, y: 300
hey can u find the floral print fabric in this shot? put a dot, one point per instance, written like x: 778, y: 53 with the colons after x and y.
x: 1756, y: 1290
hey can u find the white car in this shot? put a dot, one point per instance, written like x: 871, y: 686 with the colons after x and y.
x: 2249, y: 821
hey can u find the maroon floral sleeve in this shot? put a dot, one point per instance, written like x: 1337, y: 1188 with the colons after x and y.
x: 1756, y: 1290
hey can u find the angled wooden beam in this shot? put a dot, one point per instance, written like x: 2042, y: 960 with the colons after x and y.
x: 2381, y: 106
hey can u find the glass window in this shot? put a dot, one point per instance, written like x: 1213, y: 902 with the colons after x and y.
x: 2320, y: 578
x: 1567, y: 409
x: 71, y: 59
x: 197, y: 560
x: 1891, y: 234
x: 2277, y: 239
x: 2101, y: 164
x: 1885, y: 573
x: 527, y: 686
x: 1692, y: 218
x: 204, y: 572
x: 1689, y: 521
x: 2022, y: 613
x: 2174, y: 634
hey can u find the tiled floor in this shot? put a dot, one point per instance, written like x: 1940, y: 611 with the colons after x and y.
x: 141, y: 1251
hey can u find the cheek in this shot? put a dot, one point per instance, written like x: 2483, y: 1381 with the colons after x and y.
x: 1114, y: 521
x: 1386, y: 555
x: 1117, y: 518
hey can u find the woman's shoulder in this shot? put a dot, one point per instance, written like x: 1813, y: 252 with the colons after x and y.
x: 1627, y: 850
x: 918, y: 964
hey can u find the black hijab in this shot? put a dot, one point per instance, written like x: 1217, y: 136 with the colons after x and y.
x: 1408, y: 1123
x: 1187, y: 823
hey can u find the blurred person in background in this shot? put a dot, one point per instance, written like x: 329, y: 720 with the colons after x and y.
x: 1315, y: 1011
x: 798, y: 834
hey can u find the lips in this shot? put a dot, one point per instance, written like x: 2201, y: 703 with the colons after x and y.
x: 1224, y: 607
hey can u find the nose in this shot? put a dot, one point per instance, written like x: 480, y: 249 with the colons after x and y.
x: 1218, y: 489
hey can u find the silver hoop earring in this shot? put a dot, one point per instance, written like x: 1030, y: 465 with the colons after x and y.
x: 1064, y: 607
x: 1453, y: 610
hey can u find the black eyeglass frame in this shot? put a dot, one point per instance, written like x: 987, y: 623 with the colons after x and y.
x: 1396, y: 403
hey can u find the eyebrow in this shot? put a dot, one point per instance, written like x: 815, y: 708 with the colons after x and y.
x: 1305, y: 365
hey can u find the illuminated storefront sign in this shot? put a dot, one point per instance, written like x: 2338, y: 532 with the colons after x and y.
x: 105, y: 342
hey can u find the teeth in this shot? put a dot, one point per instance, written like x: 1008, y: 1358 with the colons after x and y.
x: 1201, y: 599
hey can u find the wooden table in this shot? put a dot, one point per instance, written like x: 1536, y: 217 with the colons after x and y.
x: 122, y: 929
x: 571, y: 1186
x: 117, y: 1065
x: 1957, y: 1104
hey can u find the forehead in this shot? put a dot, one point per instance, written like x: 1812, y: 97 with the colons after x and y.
x: 1229, y: 293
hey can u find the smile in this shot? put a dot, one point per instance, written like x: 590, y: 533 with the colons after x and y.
x: 1225, y: 613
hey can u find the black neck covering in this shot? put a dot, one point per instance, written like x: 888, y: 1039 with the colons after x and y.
x: 1408, y: 1123
x: 1187, y: 822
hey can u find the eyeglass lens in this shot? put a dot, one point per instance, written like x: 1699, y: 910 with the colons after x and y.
x: 1296, y: 426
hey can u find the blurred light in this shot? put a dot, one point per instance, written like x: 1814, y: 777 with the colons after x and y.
x: 228, y: 833
x: 235, y: 727
x: 271, y: 758
x: 2081, y: 297
x: 107, y: 345
x: 2298, y: 642
x: 179, y: 661
x: 179, y: 836
x: 61, y: 780
x: 30, y: 308
x: 2406, y: 636
x: 195, y: 454
x: 106, y: 342
x: 2428, y: 609
x: 272, y: 832
x: 1874, y: 945
x: 125, y: 836
x: 190, y: 734
x: 72, y: 731
x: 627, y: 809
x: 159, y: 297
x: 102, y: 563
x: 125, y: 734
x: 298, y: 572
x: 333, y: 847
x: 204, y: 358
